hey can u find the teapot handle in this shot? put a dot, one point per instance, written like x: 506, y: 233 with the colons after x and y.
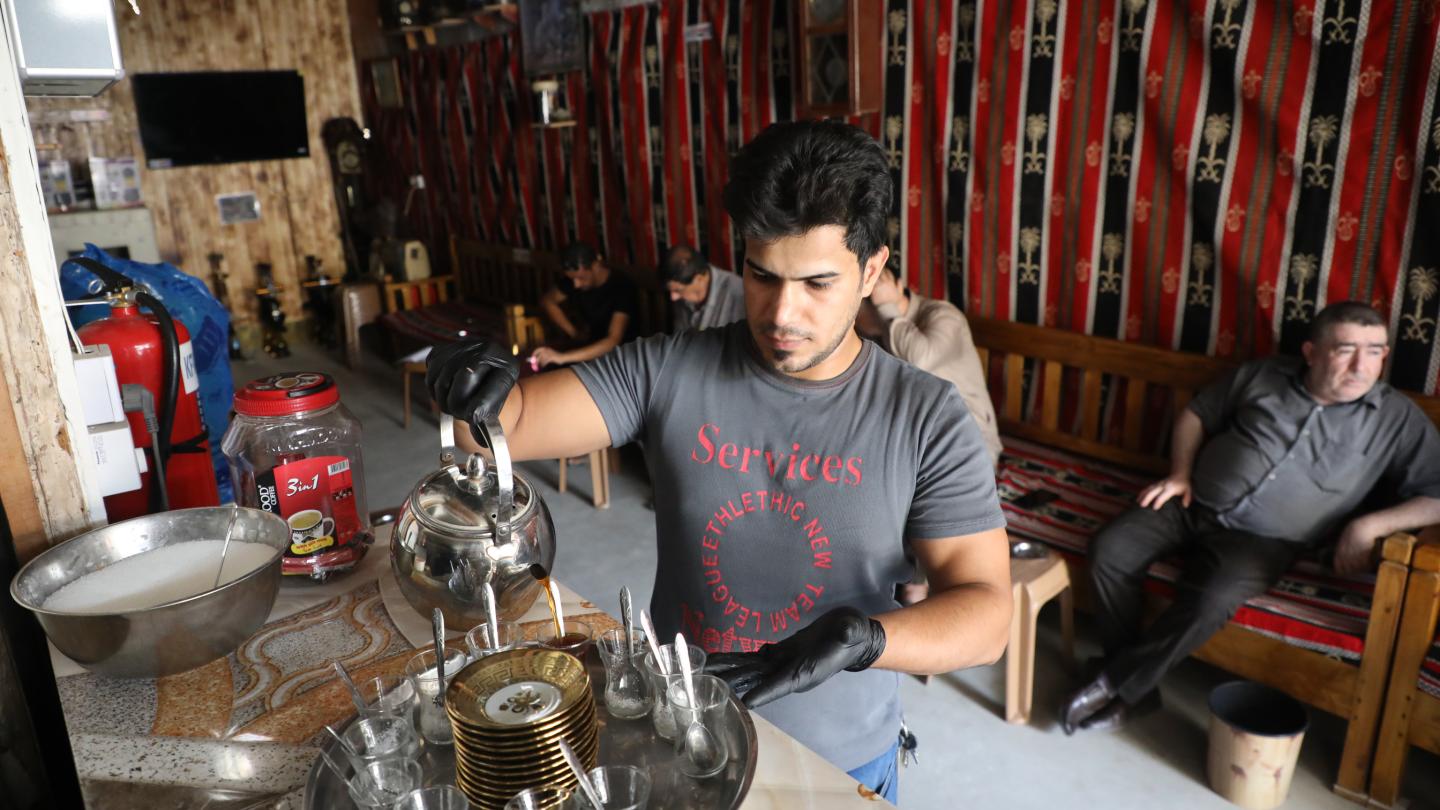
x: 447, y: 439
x: 490, y: 434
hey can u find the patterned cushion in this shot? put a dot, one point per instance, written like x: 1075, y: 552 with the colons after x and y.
x: 446, y: 322
x: 1430, y: 671
x: 1310, y: 607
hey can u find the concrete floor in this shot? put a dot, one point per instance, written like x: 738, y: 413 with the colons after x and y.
x: 968, y: 755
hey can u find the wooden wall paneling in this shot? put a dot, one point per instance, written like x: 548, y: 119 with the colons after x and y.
x: 297, y: 207
x: 316, y: 43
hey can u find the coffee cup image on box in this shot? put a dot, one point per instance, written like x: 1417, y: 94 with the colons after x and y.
x: 310, y: 530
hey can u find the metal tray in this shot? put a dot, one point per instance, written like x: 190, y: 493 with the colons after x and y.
x: 622, y: 742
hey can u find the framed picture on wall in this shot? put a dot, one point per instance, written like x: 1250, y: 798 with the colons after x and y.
x: 552, y: 37
x: 238, y: 207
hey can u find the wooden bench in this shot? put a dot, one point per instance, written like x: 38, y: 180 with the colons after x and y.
x: 415, y: 294
x: 499, y: 273
x: 1115, y: 401
x: 519, y: 330
x: 1412, y: 715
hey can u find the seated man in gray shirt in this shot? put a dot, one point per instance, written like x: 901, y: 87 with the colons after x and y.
x: 702, y: 296
x: 1266, y: 463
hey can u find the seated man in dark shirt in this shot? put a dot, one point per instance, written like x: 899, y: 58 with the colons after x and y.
x: 1266, y: 463
x: 604, y: 299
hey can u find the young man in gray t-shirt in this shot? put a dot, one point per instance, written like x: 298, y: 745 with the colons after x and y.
x: 791, y: 459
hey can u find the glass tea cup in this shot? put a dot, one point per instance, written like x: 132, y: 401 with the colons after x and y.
x: 545, y: 797
x: 432, y: 720
x: 388, y: 696
x: 701, y: 753
x: 576, y: 640
x: 369, y: 739
x: 621, y: 787
x: 628, y: 693
x: 480, y: 644
x: 661, y: 715
x: 438, y: 797
x: 383, y: 781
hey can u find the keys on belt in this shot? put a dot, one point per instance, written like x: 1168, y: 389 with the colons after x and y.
x: 908, y: 745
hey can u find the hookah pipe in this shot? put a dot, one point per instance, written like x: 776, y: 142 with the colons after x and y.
x: 218, y: 277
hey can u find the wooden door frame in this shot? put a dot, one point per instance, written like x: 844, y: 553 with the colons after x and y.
x: 48, y: 489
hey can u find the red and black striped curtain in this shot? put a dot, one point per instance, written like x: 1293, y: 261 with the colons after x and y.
x: 1197, y: 174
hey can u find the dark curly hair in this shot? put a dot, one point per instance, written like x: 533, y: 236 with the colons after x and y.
x: 577, y: 255
x: 801, y: 175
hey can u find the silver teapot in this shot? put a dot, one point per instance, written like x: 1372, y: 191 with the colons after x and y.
x: 467, y: 524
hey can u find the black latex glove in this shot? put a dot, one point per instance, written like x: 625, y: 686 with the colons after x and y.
x: 470, y: 379
x: 843, y: 638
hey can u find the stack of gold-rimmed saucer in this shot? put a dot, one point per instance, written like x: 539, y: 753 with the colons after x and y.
x: 509, y: 712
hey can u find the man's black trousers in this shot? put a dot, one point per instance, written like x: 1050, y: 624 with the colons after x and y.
x: 1222, y: 568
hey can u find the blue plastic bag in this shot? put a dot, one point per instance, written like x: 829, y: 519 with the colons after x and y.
x: 189, y: 302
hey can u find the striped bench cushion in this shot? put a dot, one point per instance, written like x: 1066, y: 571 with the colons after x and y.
x: 1430, y: 670
x: 1310, y: 607
x: 440, y: 323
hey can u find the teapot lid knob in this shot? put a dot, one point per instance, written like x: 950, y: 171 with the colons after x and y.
x: 475, y: 472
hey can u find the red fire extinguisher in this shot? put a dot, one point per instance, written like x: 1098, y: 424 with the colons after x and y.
x: 153, y: 350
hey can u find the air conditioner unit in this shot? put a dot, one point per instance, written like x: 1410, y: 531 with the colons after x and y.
x: 63, y: 47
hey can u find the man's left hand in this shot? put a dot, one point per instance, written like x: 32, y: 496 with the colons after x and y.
x: 546, y: 356
x: 1352, y: 553
x: 842, y: 639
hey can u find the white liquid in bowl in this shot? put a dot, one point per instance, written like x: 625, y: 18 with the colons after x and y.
x: 158, y: 576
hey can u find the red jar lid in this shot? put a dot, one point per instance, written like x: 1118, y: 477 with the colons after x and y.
x: 287, y: 394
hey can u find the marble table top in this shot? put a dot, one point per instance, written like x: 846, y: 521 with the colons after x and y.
x: 242, y: 732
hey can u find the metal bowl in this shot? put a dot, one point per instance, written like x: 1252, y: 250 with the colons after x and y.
x: 1028, y: 550
x: 168, y: 638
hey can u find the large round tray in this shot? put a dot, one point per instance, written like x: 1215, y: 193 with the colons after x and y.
x: 622, y: 742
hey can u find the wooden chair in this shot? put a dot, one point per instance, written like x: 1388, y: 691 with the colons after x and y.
x: 402, y: 295
x: 1412, y: 715
x: 1149, y: 375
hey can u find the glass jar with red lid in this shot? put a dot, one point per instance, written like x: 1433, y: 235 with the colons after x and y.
x: 294, y: 450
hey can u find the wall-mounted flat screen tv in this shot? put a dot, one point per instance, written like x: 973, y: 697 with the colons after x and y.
x: 187, y: 119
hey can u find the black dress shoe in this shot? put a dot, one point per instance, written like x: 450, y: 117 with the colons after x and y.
x: 1117, y: 713
x: 1089, y: 700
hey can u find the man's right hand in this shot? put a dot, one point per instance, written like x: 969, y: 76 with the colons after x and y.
x: 470, y: 379
x: 1155, y: 495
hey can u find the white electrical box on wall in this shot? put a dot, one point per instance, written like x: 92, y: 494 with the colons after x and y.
x: 65, y: 48
x: 99, y: 390
x: 117, y: 460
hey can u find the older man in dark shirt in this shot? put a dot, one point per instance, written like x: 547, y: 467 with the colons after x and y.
x: 1267, y: 463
